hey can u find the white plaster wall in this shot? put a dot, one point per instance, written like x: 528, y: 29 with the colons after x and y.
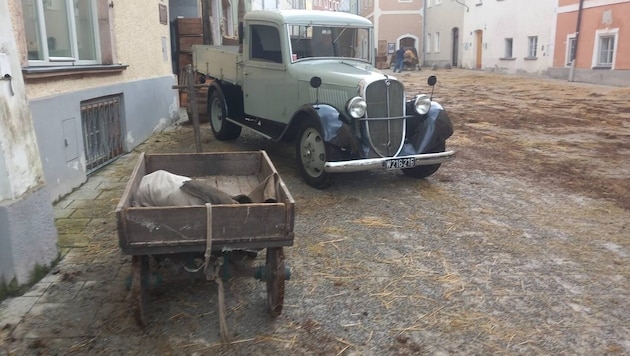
x: 515, y: 19
x: 443, y: 18
x: 20, y: 165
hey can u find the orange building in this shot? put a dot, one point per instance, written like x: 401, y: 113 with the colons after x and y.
x: 593, y: 41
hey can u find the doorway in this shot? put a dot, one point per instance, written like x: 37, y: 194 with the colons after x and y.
x: 455, y: 48
x: 479, y: 42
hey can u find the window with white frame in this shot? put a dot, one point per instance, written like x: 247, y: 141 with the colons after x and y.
x: 428, y: 46
x: 532, y: 46
x: 429, y: 3
x: 438, y: 2
x: 605, y: 44
x: 570, y: 50
x: 436, y: 46
x: 405, y: 0
x: 509, y: 45
x: 478, y: 2
x: 61, y: 32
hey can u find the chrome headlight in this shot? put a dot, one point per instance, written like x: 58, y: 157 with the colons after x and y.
x: 356, y: 107
x: 422, y: 104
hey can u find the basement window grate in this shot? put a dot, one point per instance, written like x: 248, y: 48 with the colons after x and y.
x: 102, y: 132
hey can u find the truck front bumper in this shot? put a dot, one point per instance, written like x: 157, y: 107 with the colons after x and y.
x: 358, y: 165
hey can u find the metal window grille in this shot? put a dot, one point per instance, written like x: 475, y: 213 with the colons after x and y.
x: 102, y: 133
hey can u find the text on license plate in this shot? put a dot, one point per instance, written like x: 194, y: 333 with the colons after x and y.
x: 398, y: 163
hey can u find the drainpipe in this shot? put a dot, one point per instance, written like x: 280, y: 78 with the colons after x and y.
x: 577, y: 40
x: 424, y: 35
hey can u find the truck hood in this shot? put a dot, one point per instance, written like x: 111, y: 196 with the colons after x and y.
x: 337, y: 72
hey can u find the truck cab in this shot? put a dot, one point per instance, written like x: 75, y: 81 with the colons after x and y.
x: 309, y: 77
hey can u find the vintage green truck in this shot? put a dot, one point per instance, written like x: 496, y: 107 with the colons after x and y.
x: 309, y: 77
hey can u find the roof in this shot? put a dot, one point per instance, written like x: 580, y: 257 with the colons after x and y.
x: 308, y: 17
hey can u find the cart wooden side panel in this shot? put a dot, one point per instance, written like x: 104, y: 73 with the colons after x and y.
x: 160, y: 230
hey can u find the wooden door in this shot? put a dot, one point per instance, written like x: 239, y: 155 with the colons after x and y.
x: 479, y: 42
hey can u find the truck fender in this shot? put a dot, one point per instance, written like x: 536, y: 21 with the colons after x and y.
x: 335, y: 130
x: 232, y: 96
x: 429, y: 131
x: 329, y: 118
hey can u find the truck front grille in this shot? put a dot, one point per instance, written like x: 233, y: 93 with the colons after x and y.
x: 385, y: 99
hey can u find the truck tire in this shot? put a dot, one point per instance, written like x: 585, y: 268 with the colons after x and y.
x: 311, y: 155
x: 425, y: 171
x: 222, y: 129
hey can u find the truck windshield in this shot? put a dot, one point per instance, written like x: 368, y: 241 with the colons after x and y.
x: 329, y: 41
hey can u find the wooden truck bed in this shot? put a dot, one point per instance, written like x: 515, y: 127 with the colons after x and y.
x: 181, y: 229
x: 219, y: 62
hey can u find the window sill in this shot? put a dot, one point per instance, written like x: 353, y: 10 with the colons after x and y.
x: 602, y: 67
x: 530, y: 58
x: 508, y: 59
x: 64, y: 71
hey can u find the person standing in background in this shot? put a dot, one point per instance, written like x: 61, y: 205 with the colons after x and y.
x: 400, y: 55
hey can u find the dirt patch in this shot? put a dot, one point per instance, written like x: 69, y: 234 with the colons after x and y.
x: 569, y: 134
x: 518, y: 246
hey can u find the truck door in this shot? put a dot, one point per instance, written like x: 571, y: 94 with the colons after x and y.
x: 267, y: 90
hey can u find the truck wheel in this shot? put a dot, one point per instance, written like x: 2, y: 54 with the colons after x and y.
x: 310, y: 152
x: 217, y: 112
x: 425, y: 171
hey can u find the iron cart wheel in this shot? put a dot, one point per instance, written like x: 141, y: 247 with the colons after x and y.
x: 217, y: 112
x: 425, y: 171
x: 140, y: 288
x: 275, y: 280
x: 311, y: 155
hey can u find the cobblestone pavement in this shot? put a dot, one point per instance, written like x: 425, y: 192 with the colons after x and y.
x: 473, y: 260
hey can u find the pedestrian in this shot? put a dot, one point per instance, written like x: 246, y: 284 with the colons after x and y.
x: 400, y: 56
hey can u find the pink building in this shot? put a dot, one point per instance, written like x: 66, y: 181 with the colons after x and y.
x: 396, y: 23
x: 596, y: 33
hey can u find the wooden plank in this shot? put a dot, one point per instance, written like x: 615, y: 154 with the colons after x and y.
x: 189, y: 26
x: 231, y: 185
x: 205, y: 164
x: 186, y: 42
x: 182, y: 224
x: 126, y: 200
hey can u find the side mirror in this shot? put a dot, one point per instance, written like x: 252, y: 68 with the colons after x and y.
x: 432, y: 80
x: 316, y: 82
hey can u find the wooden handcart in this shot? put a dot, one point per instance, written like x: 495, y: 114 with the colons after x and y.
x: 173, y: 231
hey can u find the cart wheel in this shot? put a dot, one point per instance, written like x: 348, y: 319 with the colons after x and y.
x: 140, y: 288
x: 275, y: 280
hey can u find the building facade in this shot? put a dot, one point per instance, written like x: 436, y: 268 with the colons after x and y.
x: 98, y: 77
x: 593, y: 41
x: 397, y: 23
x: 443, y: 33
x: 509, y: 36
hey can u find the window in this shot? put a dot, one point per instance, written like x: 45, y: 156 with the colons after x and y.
x: 438, y: 2
x: 61, y: 32
x: 532, y: 45
x: 436, y: 46
x: 428, y: 46
x: 265, y: 44
x: 570, y: 54
x: 606, y: 50
x: 478, y: 2
x: 508, y: 47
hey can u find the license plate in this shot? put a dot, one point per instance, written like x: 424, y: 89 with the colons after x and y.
x: 399, y: 163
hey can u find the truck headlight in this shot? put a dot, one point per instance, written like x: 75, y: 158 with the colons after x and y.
x: 356, y: 107
x: 422, y: 104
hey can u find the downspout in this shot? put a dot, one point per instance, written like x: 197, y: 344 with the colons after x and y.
x: 424, y: 34
x: 577, y: 40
